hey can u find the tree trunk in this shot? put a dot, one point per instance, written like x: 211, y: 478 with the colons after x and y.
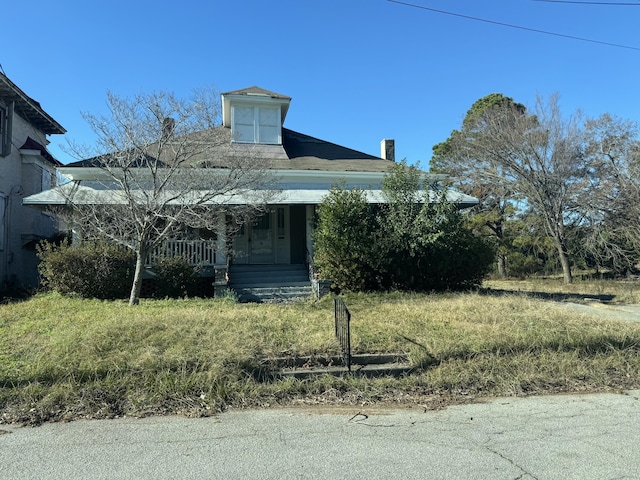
x: 564, y: 261
x: 136, y: 288
x: 502, y: 265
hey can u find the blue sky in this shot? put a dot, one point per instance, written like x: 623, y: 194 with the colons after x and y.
x: 358, y: 71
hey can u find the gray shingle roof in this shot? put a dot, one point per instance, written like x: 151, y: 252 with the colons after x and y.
x: 297, y: 152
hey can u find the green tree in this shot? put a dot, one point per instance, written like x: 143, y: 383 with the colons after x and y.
x: 414, y: 241
x: 478, y: 175
x: 540, y: 157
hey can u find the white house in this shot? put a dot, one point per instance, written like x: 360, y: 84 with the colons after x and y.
x: 305, y: 169
x: 26, y: 168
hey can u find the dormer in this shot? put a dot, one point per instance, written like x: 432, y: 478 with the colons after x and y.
x: 255, y: 115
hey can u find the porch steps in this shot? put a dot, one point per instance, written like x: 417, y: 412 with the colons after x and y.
x: 270, y: 283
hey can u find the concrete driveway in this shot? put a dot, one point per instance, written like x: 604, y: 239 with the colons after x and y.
x: 549, y: 437
x: 625, y: 313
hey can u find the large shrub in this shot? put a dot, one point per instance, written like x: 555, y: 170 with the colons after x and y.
x: 344, y: 239
x: 404, y: 244
x: 89, y: 270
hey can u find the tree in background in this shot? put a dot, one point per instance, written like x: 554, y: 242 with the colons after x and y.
x: 611, y: 206
x: 165, y: 164
x: 476, y: 175
x: 539, y: 157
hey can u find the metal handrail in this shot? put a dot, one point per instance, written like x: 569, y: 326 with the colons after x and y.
x: 342, y: 318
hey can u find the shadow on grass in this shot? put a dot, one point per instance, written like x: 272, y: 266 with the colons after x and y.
x: 554, y: 297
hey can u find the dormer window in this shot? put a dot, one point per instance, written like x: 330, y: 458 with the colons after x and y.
x: 255, y: 115
x: 256, y: 124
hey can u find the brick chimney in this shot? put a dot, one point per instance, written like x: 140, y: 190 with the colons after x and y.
x: 168, y: 126
x: 388, y: 149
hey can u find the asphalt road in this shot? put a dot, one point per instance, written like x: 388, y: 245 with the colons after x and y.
x: 549, y: 437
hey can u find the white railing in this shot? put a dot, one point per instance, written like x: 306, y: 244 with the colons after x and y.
x: 200, y: 253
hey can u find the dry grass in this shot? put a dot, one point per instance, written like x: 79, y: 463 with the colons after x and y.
x: 64, y: 358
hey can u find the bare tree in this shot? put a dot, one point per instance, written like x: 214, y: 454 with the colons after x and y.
x: 612, y: 204
x: 161, y: 164
x: 539, y: 157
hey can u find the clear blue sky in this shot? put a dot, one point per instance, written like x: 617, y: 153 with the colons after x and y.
x: 358, y: 71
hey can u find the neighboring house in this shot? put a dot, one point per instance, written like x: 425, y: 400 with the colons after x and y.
x: 305, y: 167
x: 26, y: 168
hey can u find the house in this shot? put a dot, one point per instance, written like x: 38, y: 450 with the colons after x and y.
x: 26, y: 168
x: 274, y: 250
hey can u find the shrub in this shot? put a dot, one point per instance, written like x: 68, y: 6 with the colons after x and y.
x: 89, y: 269
x: 175, y: 278
x: 343, y: 240
x: 405, y: 244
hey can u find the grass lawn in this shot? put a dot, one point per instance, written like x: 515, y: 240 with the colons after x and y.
x: 65, y: 358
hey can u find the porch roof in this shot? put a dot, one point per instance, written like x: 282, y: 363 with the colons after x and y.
x: 91, y: 193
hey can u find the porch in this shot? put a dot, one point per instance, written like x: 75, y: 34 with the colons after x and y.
x: 265, y: 260
x: 251, y: 283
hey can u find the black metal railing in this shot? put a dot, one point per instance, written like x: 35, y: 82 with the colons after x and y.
x: 343, y: 329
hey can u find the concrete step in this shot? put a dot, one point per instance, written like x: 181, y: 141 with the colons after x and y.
x: 270, y: 283
x: 268, y: 276
x: 375, y: 365
x: 273, y: 294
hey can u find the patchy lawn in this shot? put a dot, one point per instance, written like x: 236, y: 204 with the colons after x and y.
x: 64, y: 358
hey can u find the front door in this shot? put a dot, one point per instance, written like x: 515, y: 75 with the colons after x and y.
x: 266, y: 241
x: 260, y: 241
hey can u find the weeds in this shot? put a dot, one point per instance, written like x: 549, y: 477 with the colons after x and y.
x: 63, y: 358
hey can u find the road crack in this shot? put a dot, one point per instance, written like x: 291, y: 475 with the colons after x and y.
x: 512, y: 462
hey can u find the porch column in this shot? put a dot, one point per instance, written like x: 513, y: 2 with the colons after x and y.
x: 310, y: 211
x: 221, y: 242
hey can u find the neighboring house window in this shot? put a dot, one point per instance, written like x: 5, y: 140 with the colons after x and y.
x: 6, y: 116
x: 252, y: 124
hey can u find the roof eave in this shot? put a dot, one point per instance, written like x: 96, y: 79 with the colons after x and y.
x: 29, y: 107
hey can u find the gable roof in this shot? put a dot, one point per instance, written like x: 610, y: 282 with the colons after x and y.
x: 28, y: 108
x: 255, y: 90
x: 253, y: 95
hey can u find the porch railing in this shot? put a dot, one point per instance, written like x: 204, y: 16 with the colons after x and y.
x: 197, y: 252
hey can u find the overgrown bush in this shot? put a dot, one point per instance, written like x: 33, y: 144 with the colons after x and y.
x: 404, y: 244
x: 175, y: 278
x: 89, y: 270
x: 344, y: 240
